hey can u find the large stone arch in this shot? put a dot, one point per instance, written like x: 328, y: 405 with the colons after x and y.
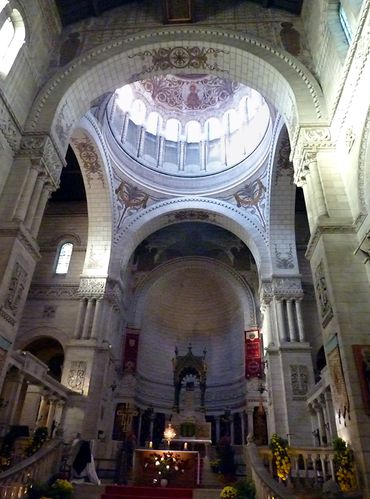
x: 93, y: 159
x: 282, y: 205
x: 281, y: 78
x: 228, y: 216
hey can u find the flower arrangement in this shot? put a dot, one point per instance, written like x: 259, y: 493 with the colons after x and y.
x: 165, y: 464
x: 38, y: 440
x: 228, y: 491
x: 58, y: 489
x: 280, y: 456
x: 345, y: 465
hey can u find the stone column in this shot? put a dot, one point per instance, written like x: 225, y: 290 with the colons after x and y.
x: 47, y: 189
x: 35, y: 198
x: 88, y: 319
x: 96, y: 319
x: 280, y: 318
x: 330, y: 413
x: 299, y: 320
x: 80, y: 317
x: 25, y: 197
x: 292, y: 335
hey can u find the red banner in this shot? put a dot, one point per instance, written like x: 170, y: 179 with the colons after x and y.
x: 253, y: 364
x: 130, y: 350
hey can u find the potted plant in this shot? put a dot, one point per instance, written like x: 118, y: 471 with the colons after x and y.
x: 344, y: 463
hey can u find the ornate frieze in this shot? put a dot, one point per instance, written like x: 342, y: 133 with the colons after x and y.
x: 41, y: 149
x: 76, y: 375
x: 325, y: 307
x: 281, y: 288
x: 16, y: 287
x: 299, y: 380
x: 92, y: 287
x: 190, y: 215
x: 178, y: 57
x: 61, y: 292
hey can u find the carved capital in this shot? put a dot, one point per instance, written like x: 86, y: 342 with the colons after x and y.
x: 41, y: 150
x: 287, y: 288
x: 309, y: 141
x: 92, y: 287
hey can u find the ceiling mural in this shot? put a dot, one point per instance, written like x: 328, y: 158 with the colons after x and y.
x: 188, y: 92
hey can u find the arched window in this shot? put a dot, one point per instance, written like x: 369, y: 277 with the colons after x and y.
x: 193, y: 131
x: 173, y: 128
x: 138, y: 111
x: 12, y: 36
x: 344, y: 23
x: 64, y: 258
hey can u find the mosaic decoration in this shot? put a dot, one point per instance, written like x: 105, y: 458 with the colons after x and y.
x: 89, y: 158
x: 15, y: 289
x: 284, y: 260
x: 299, y: 379
x: 76, y: 375
x: 190, y: 92
x: 63, y: 126
x: 326, y: 310
x: 284, y: 167
x: 339, y: 389
x: 131, y: 350
x: 253, y: 198
x: 130, y: 200
x: 362, y: 360
x: 184, y: 215
x: 164, y: 59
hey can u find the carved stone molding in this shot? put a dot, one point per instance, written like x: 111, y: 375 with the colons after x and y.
x: 323, y: 299
x: 9, y: 127
x: 24, y: 237
x: 76, y: 375
x: 307, y: 142
x: 61, y: 292
x: 92, y: 287
x: 299, y: 380
x: 41, y: 149
x: 281, y: 288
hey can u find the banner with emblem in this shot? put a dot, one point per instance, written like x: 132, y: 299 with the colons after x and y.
x: 253, y: 360
x: 130, y: 350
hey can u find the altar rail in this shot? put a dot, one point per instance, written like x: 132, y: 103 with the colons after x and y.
x: 266, y: 486
x: 39, y: 467
x: 310, y: 468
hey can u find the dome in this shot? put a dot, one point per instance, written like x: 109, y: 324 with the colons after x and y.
x: 188, y: 126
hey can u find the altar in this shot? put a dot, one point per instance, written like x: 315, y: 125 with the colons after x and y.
x: 150, y: 465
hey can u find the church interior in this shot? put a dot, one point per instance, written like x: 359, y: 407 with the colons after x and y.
x: 185, y: 239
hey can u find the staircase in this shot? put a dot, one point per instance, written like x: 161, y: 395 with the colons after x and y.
x: 131, y: 492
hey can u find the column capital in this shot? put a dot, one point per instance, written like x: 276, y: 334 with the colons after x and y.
x: 281, y: 288
x: 306, y: 143
x: 40, y: 149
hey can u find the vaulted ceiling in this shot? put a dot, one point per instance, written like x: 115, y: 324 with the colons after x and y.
x: 72, y: 11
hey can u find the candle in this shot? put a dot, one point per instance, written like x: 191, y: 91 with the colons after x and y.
x: 185, y: 446
x: 150, y: 445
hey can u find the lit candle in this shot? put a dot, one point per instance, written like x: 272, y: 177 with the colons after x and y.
x: 150, y: 445
x: 185, y: 446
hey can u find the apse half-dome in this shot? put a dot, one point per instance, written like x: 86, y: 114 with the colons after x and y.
x: 189, y: 126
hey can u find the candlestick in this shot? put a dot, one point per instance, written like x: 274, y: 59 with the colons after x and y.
x: 150, y: 445
x: 185, y: 446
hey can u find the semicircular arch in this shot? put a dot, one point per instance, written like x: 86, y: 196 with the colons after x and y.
x: 214, y: 211
x: 295, y: 93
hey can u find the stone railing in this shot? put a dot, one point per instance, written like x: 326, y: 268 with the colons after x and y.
x: 15, y: 481
x: 310, y: 468
x: 266, y: 486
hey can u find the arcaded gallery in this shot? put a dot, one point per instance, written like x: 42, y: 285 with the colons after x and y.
x: 184, y: 249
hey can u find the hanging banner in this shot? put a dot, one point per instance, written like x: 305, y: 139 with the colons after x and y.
x: 253, y: 364
x: 130, y: 350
